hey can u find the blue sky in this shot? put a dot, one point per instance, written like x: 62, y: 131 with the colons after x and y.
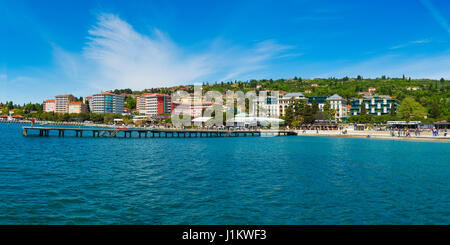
x: 84, y: 47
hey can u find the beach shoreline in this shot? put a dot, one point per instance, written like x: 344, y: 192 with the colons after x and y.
x: 375, y: 135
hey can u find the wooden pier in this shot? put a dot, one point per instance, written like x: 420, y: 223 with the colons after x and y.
x: 153, y: 132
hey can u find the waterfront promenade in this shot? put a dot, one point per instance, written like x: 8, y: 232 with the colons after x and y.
x: 424, y: 136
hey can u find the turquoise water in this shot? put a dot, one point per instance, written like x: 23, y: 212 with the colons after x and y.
x: 252, y: 180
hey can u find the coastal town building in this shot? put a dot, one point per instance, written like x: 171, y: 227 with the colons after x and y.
x: 339, y: 105
x: 107, y: 102
x: 152, y: 104
x: 18, y: 117
x: 375, y: 105
x: 88, y: 101
x: 320, y: 100
x: 285, y: 101
x: 62, y: 103
x: 77, y: 107
x: 49, y: 106
x: 266, y: 106
x: 192, y: 108
x: 413, y: 88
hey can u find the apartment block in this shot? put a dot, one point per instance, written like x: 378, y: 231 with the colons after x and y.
x: 107, y: 102
x: 50, y: 105
x: 62, y: 103
x: 375, y: 105
x: 77, y: 107
x: 152, y: 104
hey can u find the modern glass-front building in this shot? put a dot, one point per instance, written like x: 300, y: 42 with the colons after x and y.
x: 107, y: 102
x: 376, y: 105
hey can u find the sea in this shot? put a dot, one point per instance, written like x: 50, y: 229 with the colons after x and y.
x: 285, y: 180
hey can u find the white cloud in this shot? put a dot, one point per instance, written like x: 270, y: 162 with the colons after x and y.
x: 119, y: 57
x: 436, y: 15
x: 423, y: 41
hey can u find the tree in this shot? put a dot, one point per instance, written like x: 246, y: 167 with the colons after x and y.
x: 328, y: 111
x: 289, y: 115
x: 131, y: 103
x: 393, y: 112
x: 314, y: 107
x: 435, y: 112
x: 363, y: 109
x: 410, y: 108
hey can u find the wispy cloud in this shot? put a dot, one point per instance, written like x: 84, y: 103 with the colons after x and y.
x: 121, y: 57
x: 440, y: 19
x: 403, y: 45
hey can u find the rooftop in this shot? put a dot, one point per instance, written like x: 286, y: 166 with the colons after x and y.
x: 107, y: 93
x: 335, y: 97
x: 290, y: 95
x: 154, y: 94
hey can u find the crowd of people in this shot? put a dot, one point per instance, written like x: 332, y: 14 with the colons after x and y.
x: 407, y: 132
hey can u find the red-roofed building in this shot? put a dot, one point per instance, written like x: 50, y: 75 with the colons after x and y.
x: 18, y: 117
x: 153, y: 104
x: 107, y: 102
x: 50, y: 106
x: 414, y: 88
x: 77, y: 107
x: 190, y: 108
x: 62, y: 102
